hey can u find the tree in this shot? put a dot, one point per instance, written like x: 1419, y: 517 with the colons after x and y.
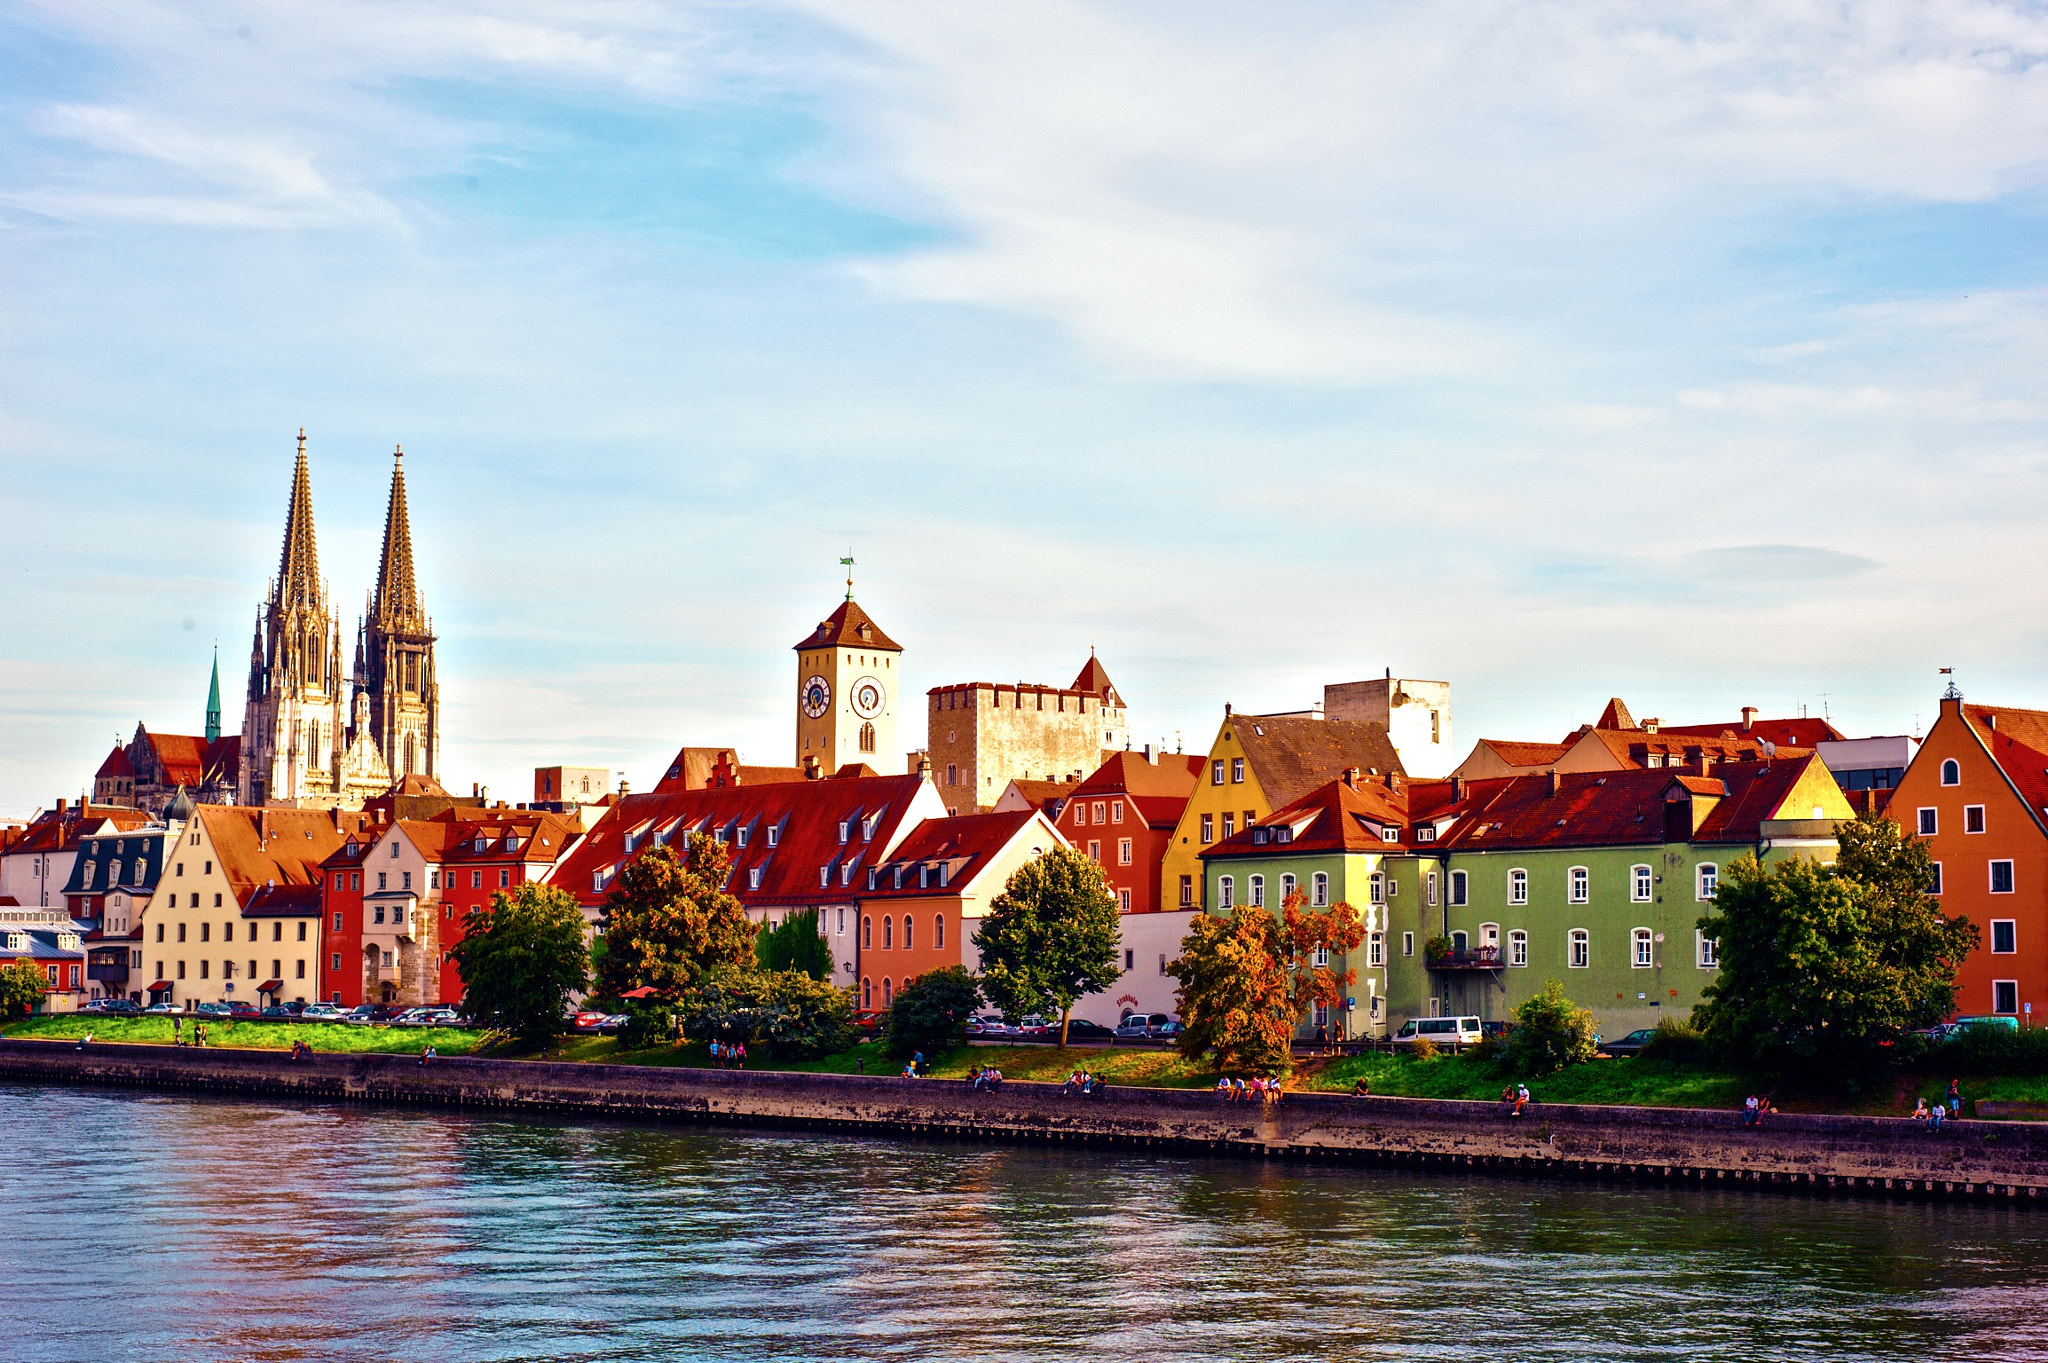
x: 1248, y: 980
x: 22, y: 985
x: 931, y: 1012
x: 1550, y: 1032
x: 1049, y: 937
x: 796, y: 945
x: 1820, y: 965
x: 521, y: 959
x: 791, y: 1015
x: 668, y: 921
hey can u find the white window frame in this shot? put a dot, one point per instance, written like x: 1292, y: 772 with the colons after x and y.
x: 1578, y: 885
x: 1578, y: 949
x: 1429, y: 888
x: 1518, y: 948
x: 1968, y: 810
x: 1642, y: 948
x: 1287, y: 887
x: 1928, y: 823
x: 1319, y: 889
x: 1407, y: 944
x: 1255, y: 886
x: 1706, y: 951
x: 1322, y: 958
x: 1518, y: 885
x: 1390, y: 834
x: 1706, y: 879
x: 1460, y: 889
x: 1641, y: 884
x: 1123, y: 851
x: 2012, y: 927
x: 1375, y: 949
x: 1991, y: 875
x: 1226, y: 892
x: 1951, y: 772
x: 1377, y: 888
x: 2013, y: 985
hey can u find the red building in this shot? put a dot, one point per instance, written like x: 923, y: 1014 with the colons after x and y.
x: 341, y: 920
x: 1124, y: 815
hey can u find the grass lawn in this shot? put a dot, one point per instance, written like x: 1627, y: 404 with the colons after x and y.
x: 1128, y: 1066
x: 267, y: 1036
x: 1637, y: 1083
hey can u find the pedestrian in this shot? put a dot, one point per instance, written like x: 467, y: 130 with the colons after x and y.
x: 1955, y: 1098
x: 1361, y: 1089
x: 740, y: 1061
x: 1322, y: 1040
x: 917, y: 1061
x: 177, y: 1031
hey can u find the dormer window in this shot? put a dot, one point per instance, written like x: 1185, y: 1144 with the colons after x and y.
x: 1258, y: 837
x: 825, y: 876
x: 867, y: 829
x: 1425, y: 832
x: 945, y: 873
x: 740, y: 837
x: 843, y: 825
x: 774, y: 834
x: 1390, y: 834
x: 1283, y: 834
x: 754, y: 878
x: 480, y: 846
x: 511, y: 842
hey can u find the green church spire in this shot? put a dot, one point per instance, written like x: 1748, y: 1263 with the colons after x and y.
x: 213, y: 701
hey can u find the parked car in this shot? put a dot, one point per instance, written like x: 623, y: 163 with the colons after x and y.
x: 277, y: 1012
x: 1032, y: 1025
x: 1168, y: 1030
x: 612, y: 1023
x: 1141, y: 1025
x: 987, y: 1027
x: 241, y: 1010
x: 322, y: 1012
x: 121, y: 1008
x: 2005, y: 1020
x: 413, y: 1017
x: 211, y: 1011
x: 1453, y: 1032
x: 1081, y: 1029
x: 1632, y: 1044
x: 159, y: 1010
x: 587, y: 1021
x: 868, y: 1023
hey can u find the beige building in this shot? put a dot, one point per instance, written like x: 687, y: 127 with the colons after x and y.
x: 849, y: 679
x: 1416, y: 715
x: 985, y: 735
x: 236, y: 913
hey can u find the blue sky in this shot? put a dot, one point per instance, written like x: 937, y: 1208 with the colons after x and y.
x: 1692, y: 353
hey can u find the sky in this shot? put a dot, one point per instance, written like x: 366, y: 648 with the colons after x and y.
x: 1692, y: 353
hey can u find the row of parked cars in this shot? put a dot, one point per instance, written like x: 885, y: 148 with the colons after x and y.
x: 1134, y: 1027
x: 367, y: 1015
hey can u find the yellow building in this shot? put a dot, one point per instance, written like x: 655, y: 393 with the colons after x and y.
x: 1260, y: 763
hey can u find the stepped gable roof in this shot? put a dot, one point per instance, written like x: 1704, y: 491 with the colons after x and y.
x: 806, y: 815
x: 1518, y: 754
x: 273, y: 846
x: 1620, y: 808
x: 1292, y: 756
x: 117, y: 764
x: 2018, y: 742
x: 1160, y: 788
x: 1333, y: 817
x: 1615, y: 716
x: 1094, y: 679
x: 850, y: 627
x: 1785, y: 733
x: 967, y: 845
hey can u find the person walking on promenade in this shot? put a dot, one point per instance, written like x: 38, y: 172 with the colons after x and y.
x: 177, y: 1031
x: 917, y: 1060
x: 1955, y: 1098
x: 740, y: 1060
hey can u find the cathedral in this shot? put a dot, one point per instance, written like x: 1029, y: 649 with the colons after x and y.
x: 311, y: 735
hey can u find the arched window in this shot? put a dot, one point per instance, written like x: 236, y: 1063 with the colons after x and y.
x: 312, y: 742
x: 1518, y: 886
x: 1459, y: 888
x: 888, y: 992
x: 867, y: 993
x: 939, y: 931
x: 1639, y: 884
x: 1319, y: 894
x: 1256, y: 886
x: 1643, y: 949
x: 867, y: 934
x: 867, y: 738
x: 888, y: 939
x: 1581, y: 883
x: 1709, y: 880
x: 1286, y: 889
x: 906, y: 934
x: 1580, y: 948
x: 411, y: 754
x: 1951, y: 772
x: 1518, y: 948
x: 1225, y: 892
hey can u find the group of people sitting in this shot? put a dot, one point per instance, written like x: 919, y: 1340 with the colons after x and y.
x: 1514, y: 1098
x: 1755, y: 1109
x: 1945, y: 1109
x: 1257, y: 1089
x: 729, y: 1055
x: 302, y: 1051
x: 1082, y: 1082
x: 986, y: 1077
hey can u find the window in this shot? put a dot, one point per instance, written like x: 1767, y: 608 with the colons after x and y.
x: 952, y: 779
x: 2001, y: 877
x: 1709, y: 876
x: 1229, y: 824
x: 1287, y: 884
x: 906, y: 932
x: 867, y: 993
x: 1256, y: 885
x: 841, y: 930
x: 1639, y: 882
x: 1928, y: 823
x: 405, y: 880
x: 774, y: 834
x: 1407, y: 944
x: 888, y: 993
x: 1951, y: 773
x: 1225, y: 889
x: 740, y: 837
x: 1390, y: 834
x: 1643, y: 948
x: 1935, y: 887
x: 1123, y: 901
x: 340, y: 881
x: 1973, y: 818
x: 867, y: 738
x: 1237, y: 771
x: 1518, y: 948
x: 1579, y: 949
x: 205, y: 932
x: 2005, y: 996
x: 1376, y: 949
x: 1123, y: 851
x: 160, y: 929
x: 476, y: 880
x: 1518, y: 886
x: 1425, y: 832
x: 1708, y: 951
x: 1208, y: 829
x: 1319, y: 891
x: 1459, y: 888
x: 504, y: 878
x: 1099, y: 808
x: 754, y: 878
x: 867, y: 934
x: 1116, y: 811
x: 1322, y: 958
x: 1580, y: 885
x: 1095, y: 851
x: 301, y: 966
x: 1429, y: 888
x: 1187, y: 891
x: 825, y: 876
x: 302, y: 929
x: 939, y: 929
x: 1216, y: 772
x: 334, y: 963
x: 2004, y: 936
x: 381, y: 879
x: 1377, y: 888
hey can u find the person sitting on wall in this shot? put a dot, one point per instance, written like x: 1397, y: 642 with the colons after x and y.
x: 1361, y: 1089
x: 1223, y: 1086
x: 1935, y: 1116
x: 1521, y: 1099
x: 1920, y: 1111
x: 993, y: 1077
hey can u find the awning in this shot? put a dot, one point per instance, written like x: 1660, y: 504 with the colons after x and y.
x: 270, y: 986
x: 645, y: 991
x: 160, y: 987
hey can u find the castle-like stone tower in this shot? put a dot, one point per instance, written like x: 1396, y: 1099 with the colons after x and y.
x: 292, y: 740
x: 395, y: 652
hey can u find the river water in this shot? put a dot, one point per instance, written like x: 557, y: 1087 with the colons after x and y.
x: 174, y: 1228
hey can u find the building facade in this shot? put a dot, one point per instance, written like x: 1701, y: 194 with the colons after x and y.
x: 849, y: 680
x: 1416, y: 715
x: 984, y: 735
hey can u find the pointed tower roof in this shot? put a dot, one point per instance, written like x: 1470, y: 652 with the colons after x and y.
x: 213, y: 700
x: 851, y: 626
x: 1094, y: 679
x: 1615, y: 716
x: 298, y: 569
x: 397, y: 595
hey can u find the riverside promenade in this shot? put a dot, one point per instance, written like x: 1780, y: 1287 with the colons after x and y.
x: 1868, y: 1156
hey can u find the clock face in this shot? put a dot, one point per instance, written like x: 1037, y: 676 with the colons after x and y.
x: 866, y: 697
x: 817, y: 697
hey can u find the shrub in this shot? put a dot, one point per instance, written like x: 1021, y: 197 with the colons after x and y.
x: 1991, y: 1050
x: 790, y: 1014
x: 1551, y: 1033
x: 1423, y: 1049
x: 795, y: 944
x: 647, y: 1023
x: 931, y: 1012
x: 1435, y: 949
x: 1677, y: 1042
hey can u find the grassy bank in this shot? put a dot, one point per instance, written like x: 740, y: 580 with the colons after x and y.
x: 266, y: 1036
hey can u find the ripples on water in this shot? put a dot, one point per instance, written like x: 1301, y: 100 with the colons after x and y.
x: 173, y: 1228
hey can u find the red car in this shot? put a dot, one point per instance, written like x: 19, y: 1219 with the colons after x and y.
x: 868, y: 1022
x: 241, y: 1010
x: 587, y: 1021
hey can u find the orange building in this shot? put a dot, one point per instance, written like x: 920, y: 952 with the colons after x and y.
x: 1977, y: 795
x: 1123, y: 816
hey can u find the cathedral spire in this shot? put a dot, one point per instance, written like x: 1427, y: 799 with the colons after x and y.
x: 397, y: 597
x: 213, y: 701
x: 298, y: 570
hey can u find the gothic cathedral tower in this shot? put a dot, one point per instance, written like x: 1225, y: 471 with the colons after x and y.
x: 848, y: 681
x: 395, y: 653
x: 292, y: 726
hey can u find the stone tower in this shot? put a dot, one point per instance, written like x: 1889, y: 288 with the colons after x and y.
x: 395, y: 652
x: 847, y: 682
x: 292, y: 723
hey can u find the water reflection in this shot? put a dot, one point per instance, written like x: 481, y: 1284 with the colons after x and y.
x: 181, y: 1228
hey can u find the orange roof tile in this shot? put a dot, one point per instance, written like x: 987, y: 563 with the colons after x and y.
x: 850, y: 627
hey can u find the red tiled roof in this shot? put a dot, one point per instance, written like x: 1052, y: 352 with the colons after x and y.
x: 1041, y: 793
x: 1292, y: 756
x: 1786, y: 733
x: 849, y: 626
x: 117, y: 764
x: 1517, y: 754
x: 1094, y: 679
x: 966, y: 845
x: 1160, y: 788
x: 1591, y: 809
x: 54, y: 833
x: 1332, y: 817
x: 699, y: 768
x: 1631, y: 746
x: 259, y: 847
x: 2018, y: 742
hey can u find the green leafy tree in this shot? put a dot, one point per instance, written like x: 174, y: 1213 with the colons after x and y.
x: 931, y: 1012
x: 1550, y: 1033
x: 1248, y: 980
x: 1049, y: 937
x: 668, y: 921
x: 21, y: 989
x: 787, y: 1013
x: 1820, y: 965
x: 795, y: 944
x: 521, y: 959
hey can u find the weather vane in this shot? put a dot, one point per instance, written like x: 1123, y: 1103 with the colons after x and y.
x: 848, y: 562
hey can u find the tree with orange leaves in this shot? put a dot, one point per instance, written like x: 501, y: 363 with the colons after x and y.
x: 1247, y: 980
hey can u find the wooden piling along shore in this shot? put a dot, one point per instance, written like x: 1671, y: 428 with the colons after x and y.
x: 2005, y: 1162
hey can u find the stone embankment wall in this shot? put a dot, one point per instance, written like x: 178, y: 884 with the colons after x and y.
x: 2005, y: 1161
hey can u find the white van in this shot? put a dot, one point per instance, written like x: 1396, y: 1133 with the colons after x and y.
x: 1452, y: 1032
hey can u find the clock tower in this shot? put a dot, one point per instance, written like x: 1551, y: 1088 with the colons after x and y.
x: 848, y: 678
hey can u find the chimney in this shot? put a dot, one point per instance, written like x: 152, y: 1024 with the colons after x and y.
x: 1990, y: 722
x: 380, y: 817
x: 62, y: 804
x: 1706, y: 761
x: 336, y: 812
x: 1393, y: 781
x: 1148, y: 752
x: 1748, y: 717
x: 1226, y: 709
x: 1351, y: 777
x: 1555, y: 782
x: 924, y: 768
x: 812, y: 771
